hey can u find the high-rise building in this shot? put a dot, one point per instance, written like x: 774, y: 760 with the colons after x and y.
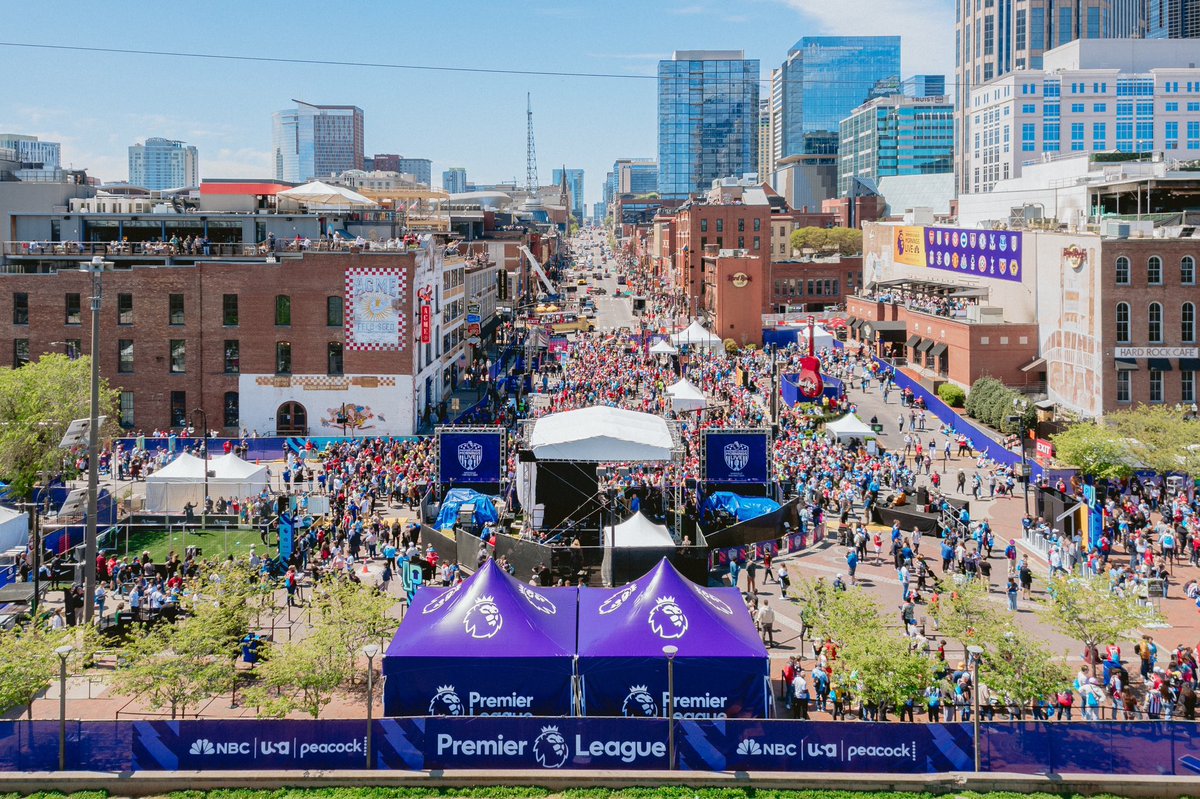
x: 897, y: 135
x: 164, y: 164
x: 924, y: 86
x: 454, y: 180
x: 575, y: 187
x: 1172, y: 19
x: 31, y: 150
x: 637, y: 176
x: 766, y: 164
x: 311, y: 141
x: 419, y: 168
x: 707, y: 119
x: 825, y: 78
x: 994, y: 40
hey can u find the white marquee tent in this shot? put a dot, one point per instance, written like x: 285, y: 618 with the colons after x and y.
x: 686, y: 397
x: 601, y: 434
x: 182, y: 481
x: 694, y: 335
x: 638, y: 531
x: 324, y: 195
x: 663, y: 347
x: 14, y: 529
x: 848, y: 427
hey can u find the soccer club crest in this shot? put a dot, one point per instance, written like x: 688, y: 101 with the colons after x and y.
x: 445, y: 702
x: 617, y: 600
x: 550, y: 748
x: 470, y: 455
x: 483, y: 619
x: 639, y: 703
x: 667, y: 620
x: 737, y: 456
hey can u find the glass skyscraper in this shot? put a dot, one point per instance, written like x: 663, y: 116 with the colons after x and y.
x: 1173, y: 19
x: 897, y: 135
x: 311, y: 141
x: 575, y: 186
x: 825, y: 78
x: 163, y: 164
x: 707, y: 119
x: 454, y: 180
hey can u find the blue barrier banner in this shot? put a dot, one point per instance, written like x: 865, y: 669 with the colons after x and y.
x: 737, y: 745
x: 287, y: 536
x: 545, y: 743
x: 470, y: 456
x: 251, y: 744
x: 737, y: 456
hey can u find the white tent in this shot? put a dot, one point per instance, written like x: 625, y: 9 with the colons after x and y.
x: 601, y: 434
x: 14, y: 529
x: 822, y: 339
x: 696, y: 336
x: 849, y: 426
x: 663, y: 347
x: 182, y: 481
x: 686, y: 397
x: 638, y: 531
x: 317, y: 193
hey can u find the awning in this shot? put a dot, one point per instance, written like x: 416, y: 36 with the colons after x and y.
x: 888, y: 327
x: 852, y: 320
x: 1127, y: 364
x: 1034, y: 364
x: 913, y: 341
x: 926, y: 345
x: 857, y: 323
x: 1158, y: 364
x: 937, y: 350
x: 1189, y: 364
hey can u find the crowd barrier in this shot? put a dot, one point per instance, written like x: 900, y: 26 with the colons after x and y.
x: 270, y: 448
x: 1130, y: 748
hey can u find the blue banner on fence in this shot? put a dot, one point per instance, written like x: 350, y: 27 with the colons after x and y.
x: 737, y: 456
x: 287, y: 536
x: 487, y: 743
x: 256, y: 745
x: 470, y: 456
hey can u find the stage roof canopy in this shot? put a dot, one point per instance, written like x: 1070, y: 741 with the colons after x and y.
x: 599, y: 434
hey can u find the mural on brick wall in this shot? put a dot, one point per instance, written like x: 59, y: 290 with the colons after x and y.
x: 375, y: 318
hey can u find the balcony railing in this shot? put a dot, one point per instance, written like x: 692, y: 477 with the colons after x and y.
x: 88, y: 249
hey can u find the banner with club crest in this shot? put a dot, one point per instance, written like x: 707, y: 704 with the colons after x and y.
x: 470, y: 455
x: 736, y: 456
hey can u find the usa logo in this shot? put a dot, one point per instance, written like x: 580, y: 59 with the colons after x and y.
x: 470, y: 455
x: 445, y: 702
x: 483, y: 619
x: 737, y: 456
x: 639, y: 703
x: 667, y: 620
x: 550, y: 748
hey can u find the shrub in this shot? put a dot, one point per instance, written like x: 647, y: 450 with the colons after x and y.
x: 952, y: 395
x: 731, y: 347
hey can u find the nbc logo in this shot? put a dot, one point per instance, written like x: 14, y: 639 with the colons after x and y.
x: 737, y: 455
x: 201, y: 746
x: 470, y: 455
x: 749, y: 746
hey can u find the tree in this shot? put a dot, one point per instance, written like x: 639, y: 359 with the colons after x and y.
x: 889, y: 671
x: 37, y: 402
x: 846, y: 241
x: 965, y: 613
x: 30, y: 665
x: 1158, y: 438
x: 354, y: 615
x: 1022, y: 669
x: 836, y: 615
x: 301, y: 675
x: 1089, y: 610
x: 1095, y: 449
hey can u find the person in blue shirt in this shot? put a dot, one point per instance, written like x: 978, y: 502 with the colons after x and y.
x: 852, y: 564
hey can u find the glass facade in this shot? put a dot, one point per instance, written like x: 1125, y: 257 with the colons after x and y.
x: 707, y: 119
x: 575, y: 187
x: 311, y: 141
x: 1173, y: 19
x: 824, y: 79
x: 896, y: 136
x: 163, y: 164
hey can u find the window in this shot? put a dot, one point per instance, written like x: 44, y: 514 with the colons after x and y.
x: 229, y: 310
x: 703, y: 225
x: 72, y: 308
x: 1123, y: 394
x: 283, y: 310
x: 1156, y: 386
x: 1187, y: 386
x: 283, y: 358
x: 124, y: 309
x: 73, y: 347
x: 1187, y: 270
x: 1099, y: 135
x: 178, y: 409
x: 175, y: 309
x: 741, y: 226
x: 1122, y: 272
x: 1077, y: 108
x: 1193, y: 135
x: 125, y: 355
x: 233, y: 356
x: 1028, y: 108
x: 1154, y: 329
x: 757, y: 242
x: 1076, y: 135
x: 1171, y: 107
x: 233, y: 409
x: 178, y: 356
x: 333, y: 357
x: 1171, y: 132
x: 1154, y: 273
x: 757, y: 224
x: 1100, y: 108
x: 335, y: 311
x: 1122, y: 323
x: 20, y: 308
x: 741, y: 242
x: 1187, y: 322
x: 720, y: 225
x: 20, y: 352
x: 127, y: 409
x: 1028, y: 137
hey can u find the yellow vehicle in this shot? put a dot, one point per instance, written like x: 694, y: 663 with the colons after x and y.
x: 581, y: 281
x: 566, y: 323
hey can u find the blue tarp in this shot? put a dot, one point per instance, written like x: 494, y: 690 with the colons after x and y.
x: 485, y: 511
x: 743, y: 508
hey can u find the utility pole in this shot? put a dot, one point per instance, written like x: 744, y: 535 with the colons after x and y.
x: 96, y: 267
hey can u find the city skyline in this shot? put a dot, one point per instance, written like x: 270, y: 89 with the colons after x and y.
x: 224, y: 107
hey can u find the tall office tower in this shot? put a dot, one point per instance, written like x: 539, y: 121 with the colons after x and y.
x: 454, y: 180
x: 164, y: 164
x: 575, y: 187
x: 312, y: 141
x: 636, y: 176
x: 766, y: 164
x: 707, y: 119
x: 31, y: 150
x: 996, y: 37
x: 419, y: 168
x: 1172, y: 19
x: 896, y: 135
x: 923, y: 86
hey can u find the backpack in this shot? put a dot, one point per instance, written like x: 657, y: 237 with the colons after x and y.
x: 1066, y: 699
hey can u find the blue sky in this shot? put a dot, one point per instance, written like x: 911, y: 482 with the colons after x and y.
x: 99, y: 104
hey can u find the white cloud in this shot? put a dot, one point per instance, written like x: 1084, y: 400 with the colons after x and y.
x: 244, y: 162
x: 926, y: 27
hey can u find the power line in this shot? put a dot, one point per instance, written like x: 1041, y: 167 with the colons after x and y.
x: 382, y: 65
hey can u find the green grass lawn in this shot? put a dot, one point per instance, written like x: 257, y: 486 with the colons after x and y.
x: 213, y: 543
x: 527, y: 792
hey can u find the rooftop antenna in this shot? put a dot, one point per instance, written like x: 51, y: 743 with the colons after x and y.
x: 531, y: 175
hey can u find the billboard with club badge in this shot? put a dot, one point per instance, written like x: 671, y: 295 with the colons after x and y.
x: 737, y: 456
x: 470, y: 456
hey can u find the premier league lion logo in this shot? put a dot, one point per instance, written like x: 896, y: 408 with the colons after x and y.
x: 737, y: 455
x: 537, y: 600
x: 716, y: 602
x: 550, y: 748
x: 617, y: 600
x: 639, y: 703
x: 483, y: 619
x: 441, y: 599
x: 445, y: 702
x: 470, y: 455
x: 667, y: 619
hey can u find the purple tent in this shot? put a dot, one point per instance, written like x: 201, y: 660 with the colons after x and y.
x: 490, y: 646
x: 722, y: 669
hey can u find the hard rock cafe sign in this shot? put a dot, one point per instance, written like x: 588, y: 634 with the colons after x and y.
x: 739, y: 279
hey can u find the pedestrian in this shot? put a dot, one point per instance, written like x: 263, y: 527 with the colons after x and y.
x: 852, y: 564
x: 751, y: 576
x: 1011, y: 591
x: 765, y: 618
x: 800, y: 696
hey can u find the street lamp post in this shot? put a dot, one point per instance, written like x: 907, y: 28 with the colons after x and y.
x: 371, y: 651
x: 96, y: 268
x: 63, y: 652
x: 976, y: 652
x: 670, y: 651
x: 204, y: 432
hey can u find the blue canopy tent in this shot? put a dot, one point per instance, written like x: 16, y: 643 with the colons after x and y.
x: 722, y: 669
x: 741, y: 508
x: 485, y: 511
x: 489, y: 646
